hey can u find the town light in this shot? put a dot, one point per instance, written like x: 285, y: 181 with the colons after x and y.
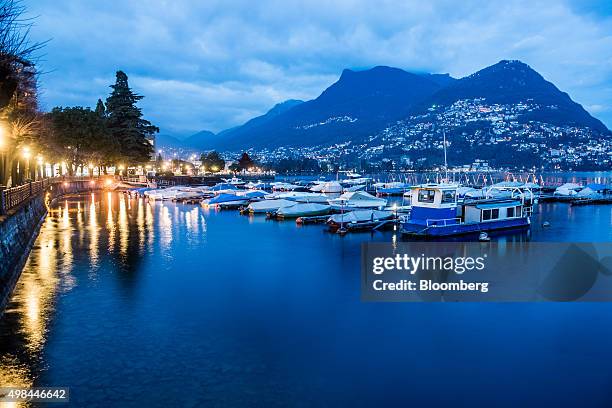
x: 26, y: 153
x: 39, y: 160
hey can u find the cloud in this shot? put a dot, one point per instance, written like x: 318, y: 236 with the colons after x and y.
x: 214, y: 64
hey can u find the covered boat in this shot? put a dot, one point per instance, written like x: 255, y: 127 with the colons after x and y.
x: 303, y: 210
x: 394, y: 188
x: 303, y: 197
x: 226, y: 200
x: 268, y: 206
x: 253, y: 194
x: 359, y: 216
x: 327, y: 187
x: 357, y: 199
x: 567, y: 190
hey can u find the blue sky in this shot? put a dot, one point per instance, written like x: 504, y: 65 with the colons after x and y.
x: 215, y: 64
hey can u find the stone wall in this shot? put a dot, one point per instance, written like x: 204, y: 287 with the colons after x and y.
x: 18, y: 231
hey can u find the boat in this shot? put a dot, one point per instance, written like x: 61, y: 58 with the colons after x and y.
x: 220, y: 188
x: 357, y: 187
x: 253, y: 194
x: 331, y: 187
x: 268, y: 206
x: 437, y: 213
x: 280, y: 186
x: 394, y: 188
x: 235, y: 181
x: 303, y: 210
x: 225, y: 200
x: 303, y: 197
x: 567, y: 190
x: 357, y: 199
x: 358, y: 216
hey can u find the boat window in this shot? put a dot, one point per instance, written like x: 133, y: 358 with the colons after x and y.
x: 486, y: 215
x: 510, y: 212
x: 519, y: 212
x: 495, y: 214
x: 448, y: 196
x: 426, y: 196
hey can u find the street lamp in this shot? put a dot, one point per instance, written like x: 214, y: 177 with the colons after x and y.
x: 26, y: 155
x: 39, y: 161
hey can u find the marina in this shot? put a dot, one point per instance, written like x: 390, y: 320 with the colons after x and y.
x: 118, y: 286
x: 431, y: 210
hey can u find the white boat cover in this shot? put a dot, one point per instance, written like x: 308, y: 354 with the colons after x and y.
x: 303, y: 209
x: 360, y: 216
x: 265, y: 206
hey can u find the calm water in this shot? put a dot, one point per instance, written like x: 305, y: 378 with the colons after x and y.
x: 132, y: 303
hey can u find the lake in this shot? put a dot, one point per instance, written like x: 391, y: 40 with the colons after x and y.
x: 131, y: 303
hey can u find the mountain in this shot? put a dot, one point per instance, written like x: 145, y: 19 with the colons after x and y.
x: 359, y: 103
x: 199, y: 141
x: 166, y: 141
x: 365, y: 105
x: 513, y: 82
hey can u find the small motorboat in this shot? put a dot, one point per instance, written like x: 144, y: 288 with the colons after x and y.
x: 358, y: 216
x: 303, y: 210
x: 225, y: 200
x: 331, y: 187
x: 357, y: 199
x: 268, y: 206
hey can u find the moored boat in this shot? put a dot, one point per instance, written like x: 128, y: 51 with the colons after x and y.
x: 303, y: 210
x: 268, y: 206
x: 357, y: 199
x: 436, y: 213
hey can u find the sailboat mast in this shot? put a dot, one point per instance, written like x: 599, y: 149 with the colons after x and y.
x: 445, y: 163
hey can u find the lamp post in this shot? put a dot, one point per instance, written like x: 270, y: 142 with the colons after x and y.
x: 2, y: 158
x: 26, y: 155
x: 40, y: 162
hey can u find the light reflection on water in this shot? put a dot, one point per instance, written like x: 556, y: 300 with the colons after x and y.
x: 72, y: 226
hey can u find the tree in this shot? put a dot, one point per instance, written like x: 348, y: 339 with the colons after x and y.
x: 100, y: 109
x: 79, y: 136
x: 245, y: 162
x: 212, y: 161
x: 234, y: 168
x: 125, y: 122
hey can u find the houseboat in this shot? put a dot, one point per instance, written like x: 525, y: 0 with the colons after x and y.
x: 437, y: 213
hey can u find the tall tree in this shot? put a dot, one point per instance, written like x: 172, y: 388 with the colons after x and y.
x: 245, y: 162
x: 125, y: 122
x: 101, y: 109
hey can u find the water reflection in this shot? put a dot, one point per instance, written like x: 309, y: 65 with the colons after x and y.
x: 76, y: 231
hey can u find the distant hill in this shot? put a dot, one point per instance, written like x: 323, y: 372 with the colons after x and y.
x: 511, y: 82
x: 359, y: 103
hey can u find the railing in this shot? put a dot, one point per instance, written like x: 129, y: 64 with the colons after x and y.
x: 13, y: 197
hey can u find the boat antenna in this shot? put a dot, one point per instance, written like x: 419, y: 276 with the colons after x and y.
x: 445, y: 163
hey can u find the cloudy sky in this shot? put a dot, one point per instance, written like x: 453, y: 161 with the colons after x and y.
x: 215, y: 64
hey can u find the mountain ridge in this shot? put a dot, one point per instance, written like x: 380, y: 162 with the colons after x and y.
x: 364, y: 102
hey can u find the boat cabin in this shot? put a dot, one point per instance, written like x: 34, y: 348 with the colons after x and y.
x: 433, y: 203
x: 492, y: 210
